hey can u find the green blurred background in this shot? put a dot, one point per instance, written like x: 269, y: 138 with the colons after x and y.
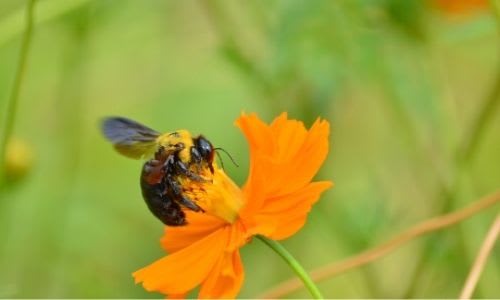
x: 401, y: 82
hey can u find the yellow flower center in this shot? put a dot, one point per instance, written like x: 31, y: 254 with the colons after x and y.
x: 218, y: 195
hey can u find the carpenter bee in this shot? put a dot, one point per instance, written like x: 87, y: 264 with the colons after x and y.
x: 170, y: 156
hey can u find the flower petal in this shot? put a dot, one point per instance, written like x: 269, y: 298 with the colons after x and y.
x: 302, y: 162
x: 181, y: 271
x: 199, y: 226
x: 284, y: 157
x: 283, y: 216
x: 258, y: 133
x: 226, y: 278
x: 260, y: 140
x: 290, y: 134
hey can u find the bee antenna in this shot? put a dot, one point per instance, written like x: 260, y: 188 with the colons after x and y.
x: 227, y: 153
x: 220, y: 159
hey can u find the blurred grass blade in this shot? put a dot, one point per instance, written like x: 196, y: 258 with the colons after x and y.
x: 484, y: 253
x: 18, y: 81
x: 13, y: 25
x: 490, y: 105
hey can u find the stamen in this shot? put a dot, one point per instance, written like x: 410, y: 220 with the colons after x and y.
x: 219, y: 196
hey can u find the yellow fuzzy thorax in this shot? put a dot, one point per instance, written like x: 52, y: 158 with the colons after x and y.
x: 170, y: 139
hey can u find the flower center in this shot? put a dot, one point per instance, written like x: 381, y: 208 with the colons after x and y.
x: 218, y: 195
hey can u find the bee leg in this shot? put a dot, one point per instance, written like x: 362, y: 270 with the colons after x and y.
x: 196, y: 156
x: 169, y: 164
x: 150, y: 164
x: 190, y: 204
x: 182, y: 168
x: 173, y: 185
x: 171, y: 214
x: 177, y: 191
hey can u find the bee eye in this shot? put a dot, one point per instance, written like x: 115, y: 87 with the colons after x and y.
x: 205, y: 148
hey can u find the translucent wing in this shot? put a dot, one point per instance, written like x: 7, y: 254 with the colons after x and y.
x: 130, y: 138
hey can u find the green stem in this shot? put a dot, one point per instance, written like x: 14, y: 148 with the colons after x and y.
x: 14, y: 96
x: 294, y: 264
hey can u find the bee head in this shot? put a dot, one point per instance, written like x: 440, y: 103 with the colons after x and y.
x: 205, y: 149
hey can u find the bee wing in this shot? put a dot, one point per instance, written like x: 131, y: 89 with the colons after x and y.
x: 130, y: 138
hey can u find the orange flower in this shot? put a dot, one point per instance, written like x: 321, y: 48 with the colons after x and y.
x: 275, y: 201
x: 460, y: 7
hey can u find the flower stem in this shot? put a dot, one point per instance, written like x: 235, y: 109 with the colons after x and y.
x: 294, y: 264
x: 383, y: 249
x: 14, y: 96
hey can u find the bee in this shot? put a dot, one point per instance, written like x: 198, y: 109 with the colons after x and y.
x: 170, y: 156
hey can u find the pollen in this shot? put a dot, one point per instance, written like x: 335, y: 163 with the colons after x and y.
x: 217, y: 194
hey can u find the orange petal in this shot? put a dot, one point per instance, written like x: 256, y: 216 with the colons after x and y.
x: 289, y: 136
x: 284, y: 157
x: 199, y: 226
x: 181, y: 271
x: 456, y: 7
x: 226, y: 278
x: 260, y: 140
x: 258, y: 133
x: 300, y: 200
x: 302, y: 163
x: 283, y: 216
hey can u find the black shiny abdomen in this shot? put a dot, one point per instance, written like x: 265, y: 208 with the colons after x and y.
x: 158, y: 199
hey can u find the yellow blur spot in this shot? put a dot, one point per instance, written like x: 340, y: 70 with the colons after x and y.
x: 19, y: 158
